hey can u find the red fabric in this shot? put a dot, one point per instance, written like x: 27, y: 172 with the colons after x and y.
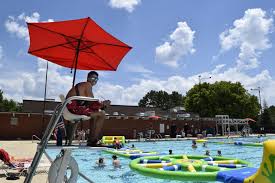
x: 58, y: 41
x: 78, y: 109
x: 4, y: 156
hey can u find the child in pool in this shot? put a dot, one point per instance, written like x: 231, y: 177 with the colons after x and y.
x: 100, y: 162
x: 116, y: 162
x: 194, y: 144
x: 207, y: 153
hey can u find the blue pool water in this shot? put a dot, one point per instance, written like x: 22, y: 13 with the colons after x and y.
x: 86, y: 159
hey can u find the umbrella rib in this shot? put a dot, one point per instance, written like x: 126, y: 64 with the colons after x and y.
x: 92, y: 52
x: 77, y: 49
x: 51, y: 47
x: 52, y: 31
x: 100, y: 58
x: 108, y: 44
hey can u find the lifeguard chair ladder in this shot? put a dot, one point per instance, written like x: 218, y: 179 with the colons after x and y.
x: 49, y: 130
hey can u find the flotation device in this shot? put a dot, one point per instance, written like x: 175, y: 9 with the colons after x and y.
x: 239, y: 143
x: 109, y: 140
x: 54, y: 170
x: 131, y: 153
x: 186, y: 167
x: 201, y: 140
x: 266, y: 172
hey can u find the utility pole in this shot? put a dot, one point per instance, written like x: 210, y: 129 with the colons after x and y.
x: 260, y: 101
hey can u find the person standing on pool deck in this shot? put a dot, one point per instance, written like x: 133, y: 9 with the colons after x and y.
x: 85, y: 89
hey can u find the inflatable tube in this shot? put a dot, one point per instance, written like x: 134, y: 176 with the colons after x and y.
x: 145, y: 161
x: 186, y: 167
x: 156, y: 165
x: 130, y: 153
x: 171, y: 168
x: 201, y: 140
x: 266, y: 172
x: 54, y: 169
x: 107, y: 140
x: 144, y: 155
x: 239, y: 143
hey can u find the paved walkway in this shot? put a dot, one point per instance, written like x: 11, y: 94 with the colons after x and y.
x: 23, y: 149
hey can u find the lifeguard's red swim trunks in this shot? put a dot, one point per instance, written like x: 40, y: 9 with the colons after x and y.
x: 84, y: 109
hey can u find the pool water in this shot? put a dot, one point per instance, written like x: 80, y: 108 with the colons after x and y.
x: 86, y: 159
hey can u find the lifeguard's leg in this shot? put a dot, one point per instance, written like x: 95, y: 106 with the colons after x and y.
x: 73, y: 130
x: 98, y: 122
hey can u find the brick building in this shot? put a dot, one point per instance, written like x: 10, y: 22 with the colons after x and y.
x: 122, y: 120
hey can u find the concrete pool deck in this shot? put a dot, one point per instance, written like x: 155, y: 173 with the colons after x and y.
x: 23, y: 149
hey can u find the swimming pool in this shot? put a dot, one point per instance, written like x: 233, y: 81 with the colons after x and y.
x: 86, y: 159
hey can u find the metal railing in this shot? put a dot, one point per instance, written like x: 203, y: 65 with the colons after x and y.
x: 44, y: 141
x: 35, y: 137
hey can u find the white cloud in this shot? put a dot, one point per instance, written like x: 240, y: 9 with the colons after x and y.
x: 179, y: 45
x: 17, y: 26
x: 30, y: 85
x: 1, y: 52
x: 218, y: 68
x: 250, y: 35
x: 128, y: 5
x: 1, y: 55
x: 138, y: 69
x: 132, y: 94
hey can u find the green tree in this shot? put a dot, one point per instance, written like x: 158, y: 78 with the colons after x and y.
x: 221, y: 98
x: 9, y: 105
x: 271, y: 110
x: 266, y: 120
x: 161, y: 99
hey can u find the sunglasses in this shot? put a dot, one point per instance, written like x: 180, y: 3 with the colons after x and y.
x: 93, y: 79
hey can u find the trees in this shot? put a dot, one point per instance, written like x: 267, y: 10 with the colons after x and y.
x: 9, y: 105
x: 272, y: 113
x: 221, y: 98
x: 161, y: 99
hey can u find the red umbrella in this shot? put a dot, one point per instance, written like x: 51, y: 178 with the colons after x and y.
x: 76, y: 44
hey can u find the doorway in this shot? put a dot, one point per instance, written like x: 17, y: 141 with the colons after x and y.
x: 173, y: 131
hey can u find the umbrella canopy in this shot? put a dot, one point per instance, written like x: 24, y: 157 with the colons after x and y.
x: 76, y: 44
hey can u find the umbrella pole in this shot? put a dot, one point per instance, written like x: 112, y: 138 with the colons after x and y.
x: 44, y: 103
x: 76, y: 59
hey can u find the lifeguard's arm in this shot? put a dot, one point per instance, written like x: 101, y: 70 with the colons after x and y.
x: 88, y: 90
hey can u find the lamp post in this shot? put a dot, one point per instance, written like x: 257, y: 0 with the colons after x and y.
x: 260, y: 116
x: 201, y: 79
x: 260, y: 101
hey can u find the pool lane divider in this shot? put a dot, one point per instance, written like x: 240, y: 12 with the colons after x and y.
x: 238, y: 143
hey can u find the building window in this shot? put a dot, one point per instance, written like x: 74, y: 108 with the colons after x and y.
x: 14, y: 121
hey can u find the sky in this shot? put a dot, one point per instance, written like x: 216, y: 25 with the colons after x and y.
x: 174, y: 42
